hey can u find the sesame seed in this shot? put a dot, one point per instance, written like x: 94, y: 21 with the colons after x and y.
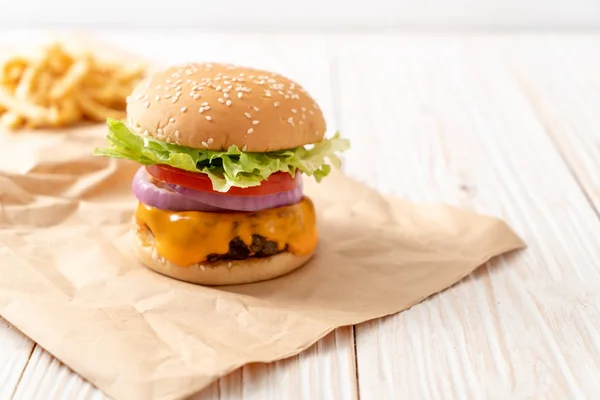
x: 158, y: 87
x: 290, y: 120
x: 168, y: 139
x: 218, y: 87
x: 226, y: 95
x: 247, y: 114
x: 207, y: 108
x: 178, y: 88
x: 228, y: 103
x: 242, y: 74
x: 183, y: 109
x: 174, y: 100
x: 210, y: 140
x: 204, y: 144
x: 255, y: 108
x: 220, y: 100
x: 255, y: 122
x: 168, y: 81
x: 267, y: 93
x: 159, y: 131
x: 176, y: 135
x: 250, y: 131
x: 303, y: 116
x: 294, y: 110
x: 208, y: 118
x: 167, y: 96
x: 303, y: 109
x: 287, y: 96
x: 276, y: 104
x: 147, y: 104
x: 157, y: 97
x: 201, y: 110
x: 244, y: 148
x: 171, y: 120
x: 196, y: 96
x: 139, y: 97
x: 240, y: 94
x: 204, y: 104
x: 311, y: 112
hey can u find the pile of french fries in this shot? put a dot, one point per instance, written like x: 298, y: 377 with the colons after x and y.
x: 58, y: 88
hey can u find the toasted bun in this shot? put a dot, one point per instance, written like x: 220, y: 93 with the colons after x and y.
x: 215, y: 106
x: 220, y: 272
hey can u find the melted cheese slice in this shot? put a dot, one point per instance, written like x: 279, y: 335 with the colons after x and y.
x: 187, y: 238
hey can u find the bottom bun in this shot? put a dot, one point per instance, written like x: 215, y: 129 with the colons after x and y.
x: 219, y: 272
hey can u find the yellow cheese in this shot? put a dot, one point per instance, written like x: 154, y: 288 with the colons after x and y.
x: 188, y: 237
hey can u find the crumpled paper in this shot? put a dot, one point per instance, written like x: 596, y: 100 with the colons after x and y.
x: 70, y: 281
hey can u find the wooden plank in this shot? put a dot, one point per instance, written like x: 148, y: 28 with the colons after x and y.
x: 561, y: 84
x: 325, y: 371
x: 47, y: 378
x: 441, y: 118
x: 314, y: 374
x: 15, y: 350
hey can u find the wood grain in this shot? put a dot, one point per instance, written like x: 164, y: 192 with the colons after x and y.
x: 314, y: 374
x: 449, y: 122
x: 560, y: 79
x: 47, y: 378
x: 15, y: 350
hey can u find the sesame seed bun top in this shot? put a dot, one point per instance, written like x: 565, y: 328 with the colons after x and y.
x: 215, y: 106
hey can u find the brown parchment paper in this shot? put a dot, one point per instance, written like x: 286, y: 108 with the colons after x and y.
x: 69, y: 280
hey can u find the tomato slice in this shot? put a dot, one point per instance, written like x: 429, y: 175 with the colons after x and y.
x: 277, y: 182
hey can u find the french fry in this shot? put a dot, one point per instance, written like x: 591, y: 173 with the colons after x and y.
x: 11, y: 120
x: 70, y: 80
x: 22, y: 108
x: 57, y: 88
x: 97, y: 111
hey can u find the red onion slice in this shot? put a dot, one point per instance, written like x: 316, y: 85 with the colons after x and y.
x: 160, y: 195
x: 242, y: 203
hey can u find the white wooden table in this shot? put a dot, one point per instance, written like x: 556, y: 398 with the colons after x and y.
x: 506, y: 124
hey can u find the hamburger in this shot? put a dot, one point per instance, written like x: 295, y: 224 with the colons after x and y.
x: 222, y: 151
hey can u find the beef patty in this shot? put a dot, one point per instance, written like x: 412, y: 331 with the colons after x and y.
x: 238, y: 250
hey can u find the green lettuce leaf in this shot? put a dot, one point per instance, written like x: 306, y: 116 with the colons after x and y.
x: 225, y: 169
